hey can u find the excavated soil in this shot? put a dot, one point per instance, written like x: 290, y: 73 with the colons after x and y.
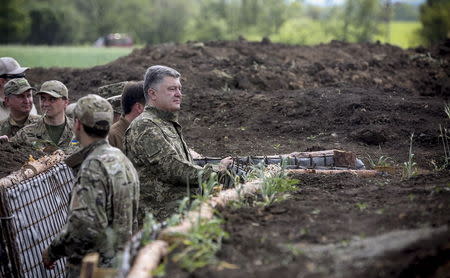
x: 247, y: 98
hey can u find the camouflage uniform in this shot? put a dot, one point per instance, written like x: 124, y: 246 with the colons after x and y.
x: 37, y: 135
x: 4, y: 111
x: 17, y: 87
x: 111, y: 90
x: 155, y: 145
x: 104, y: 202
x: 9, y: 127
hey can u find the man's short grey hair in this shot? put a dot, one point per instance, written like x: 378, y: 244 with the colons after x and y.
x: 155, y: 75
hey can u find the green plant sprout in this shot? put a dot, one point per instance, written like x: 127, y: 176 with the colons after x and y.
x: 409, y: 167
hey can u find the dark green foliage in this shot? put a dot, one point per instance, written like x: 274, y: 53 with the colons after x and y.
x: 435, y: 18
x: 14, y: 22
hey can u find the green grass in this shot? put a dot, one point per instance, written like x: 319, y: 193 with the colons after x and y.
x: 403, y: 34
x: 62, y: 56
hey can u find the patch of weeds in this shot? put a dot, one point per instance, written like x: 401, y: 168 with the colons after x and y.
x: 199, y: 246
x: 149, y: 229
x: 380, y: 211
x: 382, y: 161
x: 275, y: 182
x: 314, y: 137
x: 409, y: 167
x: 160, y: 270
x: 277, y: 146
x: 439, y: 189
x: 316, y: 211
x: 362, y: 206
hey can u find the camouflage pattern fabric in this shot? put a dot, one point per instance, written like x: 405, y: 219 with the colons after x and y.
x: 155, y: 145
x: 117, y: 132
x: 111, y: 89
x: 103, y: 208
x: 116, y: 103
x: 36, y: 135
x: 10, y: 127
x: 4, y: 111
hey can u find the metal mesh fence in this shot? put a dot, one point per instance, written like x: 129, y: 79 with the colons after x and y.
x: 32, y: 212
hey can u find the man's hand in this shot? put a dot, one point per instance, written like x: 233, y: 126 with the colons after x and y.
x: 224, y: 163
x: 48, y: 264
x: 4, y: 138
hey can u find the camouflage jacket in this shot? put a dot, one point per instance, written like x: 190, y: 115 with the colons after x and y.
x: 37, y: 135
x: 103, y: 206
x: 155, y: 144
x: 117, y: 132
x: 4, y: 111
x: 10, y: 127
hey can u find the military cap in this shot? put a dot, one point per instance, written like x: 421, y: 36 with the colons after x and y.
x: 54, y: 88
x: 17, y: 86
x: 94, y: 111
x: 9, y: 66
x: 70, y: 108
x: 111, y: 89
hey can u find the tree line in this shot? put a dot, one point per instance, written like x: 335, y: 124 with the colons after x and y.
x: 55, y: 22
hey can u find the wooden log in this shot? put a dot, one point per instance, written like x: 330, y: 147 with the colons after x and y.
x: 33, y: 168
x: 362, y: 173
x: 148, y: 259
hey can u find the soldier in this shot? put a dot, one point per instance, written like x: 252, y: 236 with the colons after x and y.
x: 133, y: 103
x: 9, y: 69
x: 19, y: 99
x: 155, y: 144
x: 53, y: 130
x: 104, y: 201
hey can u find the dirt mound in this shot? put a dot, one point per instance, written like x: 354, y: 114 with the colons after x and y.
x: 244, y: 98
x: 13, y: 157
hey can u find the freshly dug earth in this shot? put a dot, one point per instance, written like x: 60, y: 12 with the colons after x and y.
x: 312, y: 233
x: 13, y: 157
x: 243, y: 98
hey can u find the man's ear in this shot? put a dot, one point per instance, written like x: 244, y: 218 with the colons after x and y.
x: 151, y: 93
x: 6, y: 101
x: 77, y: 124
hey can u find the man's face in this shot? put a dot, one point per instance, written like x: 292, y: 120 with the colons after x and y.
x: 20, y: 103
x: 168, y: 95
x: 52, y: 106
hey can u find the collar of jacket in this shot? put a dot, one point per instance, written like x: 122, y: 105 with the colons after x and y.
x: 166, y: 115
x: 75, y: 159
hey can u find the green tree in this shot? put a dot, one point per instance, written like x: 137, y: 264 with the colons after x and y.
x: 14, y: 22
x: 53, y: 22
x: 435, y: 18
x: 360, y: 21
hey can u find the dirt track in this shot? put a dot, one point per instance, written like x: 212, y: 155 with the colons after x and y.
x: 244, y: 98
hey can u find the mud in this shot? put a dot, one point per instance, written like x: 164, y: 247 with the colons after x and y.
x: 246, y: 98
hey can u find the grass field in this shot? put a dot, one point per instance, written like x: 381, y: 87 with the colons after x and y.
x: 403, y: 34
x: 63, y: 56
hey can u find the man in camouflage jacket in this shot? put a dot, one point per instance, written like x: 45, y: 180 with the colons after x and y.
x: 53, y: 130
x: 104, y: 201
x: 19, y: 98
x: 155, y: 144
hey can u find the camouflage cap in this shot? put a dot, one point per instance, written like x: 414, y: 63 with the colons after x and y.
x: 10, y: 66
x: 111, y: 89
x: 17, y: 86
x: 116, y: 103
x: 94, y: 111
x: 69, y: 109
x: 54, y: 88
